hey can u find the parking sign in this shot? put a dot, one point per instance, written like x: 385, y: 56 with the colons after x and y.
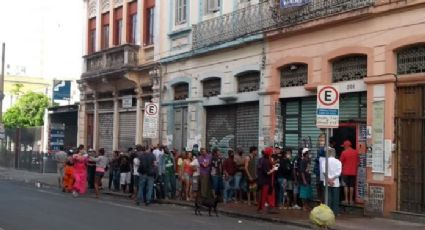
x: 327, y: 115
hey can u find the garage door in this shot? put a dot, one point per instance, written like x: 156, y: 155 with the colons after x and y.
x: 233, y: 126
x: 180, y: 128
x: 127, y: 133
x: 105, y: 132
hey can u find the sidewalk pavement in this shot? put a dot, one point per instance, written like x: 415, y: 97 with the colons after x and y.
x: 241, y: 210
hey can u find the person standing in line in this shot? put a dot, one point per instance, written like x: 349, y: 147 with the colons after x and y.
x: 217, y: 172
x: 146, y: 173
x: 135, y: 170
x: 169, y: 175
x: 91, y: 169
x: 114, y: 173
x: 160, y: 169
x: 131, y: 154
x: 80, y: 173
x: 196, y: 179
x: 350, y: 162
x: 334, y: 172
x: 68, y: 179
x: 306, y: 192
x: 60, y: 158
x: 280, y: 190
x: 240, y: 165
x: 251, y: 174
x: 266, y: 171
x: 229, y: 170
x: 321, y: 156
x: 287, y: 185
x: 125, y: 170
x: 101, y: 164
x: 296, y: 177
x: 187, y: 175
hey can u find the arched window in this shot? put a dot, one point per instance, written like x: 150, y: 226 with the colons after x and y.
x: 411, y: 59
x: 181, y: 91
x: 249, y: 81
x: 211, y: 87
x: 348, y: 68
x: 295, y: 74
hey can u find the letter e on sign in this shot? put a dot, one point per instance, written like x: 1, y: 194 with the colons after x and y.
x: 151, y: 109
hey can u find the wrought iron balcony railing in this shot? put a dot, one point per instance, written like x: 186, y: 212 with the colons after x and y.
x: 264, y: 16
x: 111, y: 59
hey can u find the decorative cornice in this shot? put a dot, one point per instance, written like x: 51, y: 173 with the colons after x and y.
x: 92, y: 8
x: 105, y: 5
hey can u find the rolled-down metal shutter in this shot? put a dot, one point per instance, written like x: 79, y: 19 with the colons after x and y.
x: 221, y: 127
x: 247, y: 122
x: 106, y: 126
x: 291, y: 123
x: 352, y: 107
x: 309, y: 130
x: 180, y: 128
x: 127, y: 134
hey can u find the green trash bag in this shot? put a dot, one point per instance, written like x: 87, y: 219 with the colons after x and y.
x: 322, y: 216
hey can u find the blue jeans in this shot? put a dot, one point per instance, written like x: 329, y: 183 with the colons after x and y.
x: 229, y: 188
x: 238, y: 180
x: 170, y: 185
x: 116, y: 178
x: 280, y: 190
x: 217, y: 182
x: 334, y: 199
x: 145, y: 189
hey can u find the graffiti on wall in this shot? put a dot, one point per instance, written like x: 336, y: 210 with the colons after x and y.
x: 223, y: 145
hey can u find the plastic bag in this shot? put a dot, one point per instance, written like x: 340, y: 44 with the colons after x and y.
x: 322, y: 216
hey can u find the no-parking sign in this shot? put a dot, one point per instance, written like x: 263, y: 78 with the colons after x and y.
x: 327, y: 115
x: 150, y: 120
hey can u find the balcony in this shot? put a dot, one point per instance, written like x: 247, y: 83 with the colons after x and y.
x: 267, y: 15
x: 109, y: 61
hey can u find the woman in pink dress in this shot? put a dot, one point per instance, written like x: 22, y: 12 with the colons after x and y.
x: 80, y: 174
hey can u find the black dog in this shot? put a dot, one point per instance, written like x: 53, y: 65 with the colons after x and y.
x: 211, y: 204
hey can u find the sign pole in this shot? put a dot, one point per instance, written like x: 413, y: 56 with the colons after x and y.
x: 326, y: 168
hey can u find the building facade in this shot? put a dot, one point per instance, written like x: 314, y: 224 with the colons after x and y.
x: 115, y: 84
x: 242, y: 73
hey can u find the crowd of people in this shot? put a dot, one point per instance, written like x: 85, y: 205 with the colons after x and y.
x: 276, y: 178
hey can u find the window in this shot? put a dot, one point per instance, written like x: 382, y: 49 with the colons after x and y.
x: 105, y: 31
x: 181, y: 91
x: 92, y: 36
x: 133, y: 28
x: 249, y: 82
x: 411, y: 60
x: 118, y: 26
x: 212, y: 87
x: 294, y: 75
x: 348, y: 68
x: 105, y: 37
x: 212, y: 6
x: 150, y: 25
x: 181, y: 11
x: 132, y: 23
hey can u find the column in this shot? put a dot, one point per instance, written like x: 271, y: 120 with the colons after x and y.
x: 82, y: 124
x: 116, y: 121
x: 139, y: 119
x: 96, y: 125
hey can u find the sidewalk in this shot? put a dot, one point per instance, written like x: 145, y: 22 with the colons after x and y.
x: 240, y: 210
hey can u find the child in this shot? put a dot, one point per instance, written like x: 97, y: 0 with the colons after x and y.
x: 68, y: 178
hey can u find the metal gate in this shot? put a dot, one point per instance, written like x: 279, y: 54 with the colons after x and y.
x: 127, y: 134
x: 180, y: 128
x: 105, y: 132
x: 233, y: 126
x: 411, y: 148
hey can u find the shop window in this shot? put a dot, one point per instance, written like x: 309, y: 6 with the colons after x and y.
x: 295, y: 74
x: 212, y: 87
x: 348, y: 68
x: 411, y: 60
x: 181, y: 91
x: 249, y: 82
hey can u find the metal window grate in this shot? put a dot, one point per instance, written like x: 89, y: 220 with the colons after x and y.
x: 249, y: 82
x: 411, y: 60
x: 181, y: 91
x: 212, y: 87
x: 349, y: 68
x: 294, y: 75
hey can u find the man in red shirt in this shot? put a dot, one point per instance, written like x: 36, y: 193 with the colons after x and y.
x: 350, y: 162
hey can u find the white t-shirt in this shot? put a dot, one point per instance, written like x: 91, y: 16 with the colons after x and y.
x: 158, y: 154
x: 335, y: 168
x: 136, y: 163
x: 322, y: 160
x: 195, y: 165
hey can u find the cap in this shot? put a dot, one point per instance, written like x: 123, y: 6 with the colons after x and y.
x: 305, y: 150
x: 268, y: 151
x: 346, y: 143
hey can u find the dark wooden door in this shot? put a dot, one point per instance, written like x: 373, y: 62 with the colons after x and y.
x: 411, y: 142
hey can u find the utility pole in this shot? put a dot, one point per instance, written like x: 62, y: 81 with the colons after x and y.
x: 2, y: 80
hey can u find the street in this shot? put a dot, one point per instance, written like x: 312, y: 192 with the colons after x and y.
x: 22, y: 206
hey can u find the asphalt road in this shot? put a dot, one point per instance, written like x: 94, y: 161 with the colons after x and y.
x: 22, y: 206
